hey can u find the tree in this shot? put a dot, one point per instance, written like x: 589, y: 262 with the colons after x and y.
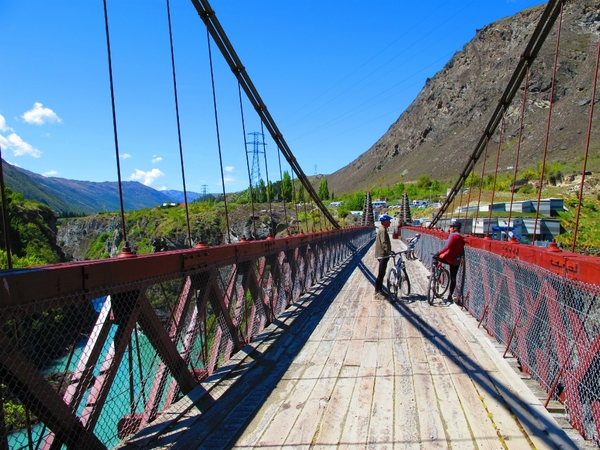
x: 424, y: 182
x: 356, y: 202
x: 286, y: 187
x: 473, y: 180
x: 300, y: 194
x: 323, y: 190
x: 262, y: 191
x: 399, y: 190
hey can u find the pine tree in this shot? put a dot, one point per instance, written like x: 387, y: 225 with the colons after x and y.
x: 286, y: 187
x: 323, y: 190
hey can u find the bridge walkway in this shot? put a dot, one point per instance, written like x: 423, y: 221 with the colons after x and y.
x: 344, y: 370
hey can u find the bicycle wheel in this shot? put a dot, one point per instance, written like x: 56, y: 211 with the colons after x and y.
x: 431, y: 286
x: 392, y: 284
x: 404, y: 283
x: 443, y: 281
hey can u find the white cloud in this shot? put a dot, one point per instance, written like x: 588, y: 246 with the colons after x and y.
x: 124, y: 155
x: 40, y: 115
x: 19, y: 147
x: 147, y: 177
x: 14, y: 143
x: 3, y: 126
x: 229, y: 168
x: 50, y: 173
x: 227, y: 180
x: 156, y: 159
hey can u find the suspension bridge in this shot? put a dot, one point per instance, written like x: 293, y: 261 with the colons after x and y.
x: 279, y: 342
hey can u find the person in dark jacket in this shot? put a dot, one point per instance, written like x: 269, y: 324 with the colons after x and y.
x: 452, y: 253
x: 383, y: 250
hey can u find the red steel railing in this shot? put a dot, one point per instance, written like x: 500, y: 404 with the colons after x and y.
x: 93, y: 351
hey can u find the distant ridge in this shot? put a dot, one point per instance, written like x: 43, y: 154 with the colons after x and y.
x: 177, y: 196
x: 87, y: 197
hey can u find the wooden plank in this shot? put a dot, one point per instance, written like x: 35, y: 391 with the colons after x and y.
x: 381, y: 426
x: 482, y: 428
x: 369, y: 359
x: 286, y: 415
x: 356, y: 426
x: 421, y: 346
x: 406, y: 421
x: 382, y: 417
x: 372, y: 331
x: 431, y: 427
x: 500, y: 417
x: 508, y: 399
x: 338, y: 407
x: 311, y: 412
x: 268, y: 414
x: 450, y: 405
x: 415, y: 344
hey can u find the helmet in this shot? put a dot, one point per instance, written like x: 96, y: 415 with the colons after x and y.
x: 455, y: 224
x: 384, y: 218
x: 418, y: 235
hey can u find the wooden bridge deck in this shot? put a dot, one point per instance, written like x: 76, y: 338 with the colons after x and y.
x: 343, y: 370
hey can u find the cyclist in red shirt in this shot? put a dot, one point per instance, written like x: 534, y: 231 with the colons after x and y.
x: 452, y: 253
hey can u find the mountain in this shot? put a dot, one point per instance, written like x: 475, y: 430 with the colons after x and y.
x: 81, y: 197
x: 438, y: 132
x: 177, y: 196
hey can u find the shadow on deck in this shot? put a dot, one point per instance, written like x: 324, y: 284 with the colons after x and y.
x: 342, y: 369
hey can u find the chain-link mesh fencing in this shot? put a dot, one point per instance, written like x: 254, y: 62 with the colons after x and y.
x: 88, y: 368
x: 550, y: 323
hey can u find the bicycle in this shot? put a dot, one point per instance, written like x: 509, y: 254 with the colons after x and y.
x: 410, y: 253
x: 439, y: 280
x: 397, y: 278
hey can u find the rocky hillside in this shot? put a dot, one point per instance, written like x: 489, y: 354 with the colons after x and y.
x: 439, y: 130
x: 161, y: 229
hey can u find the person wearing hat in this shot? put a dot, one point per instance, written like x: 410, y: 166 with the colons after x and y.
x: 452, y: 253
x: 383, y: 250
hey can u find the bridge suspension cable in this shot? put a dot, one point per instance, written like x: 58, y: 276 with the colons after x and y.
x: 5, y: 218
x: 250, y: 187
x: 126, y: 250
x: 213, y: 27
x: 587, y: 148
x: 518, y: 150
x: 269, y: 185
x: 550, y: 107
x: 214, y: 93
x: 187, y: 212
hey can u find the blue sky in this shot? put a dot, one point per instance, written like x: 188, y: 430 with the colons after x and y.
x: 335, y: 75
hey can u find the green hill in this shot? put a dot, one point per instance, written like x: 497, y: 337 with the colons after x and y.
x: 80, y: 197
